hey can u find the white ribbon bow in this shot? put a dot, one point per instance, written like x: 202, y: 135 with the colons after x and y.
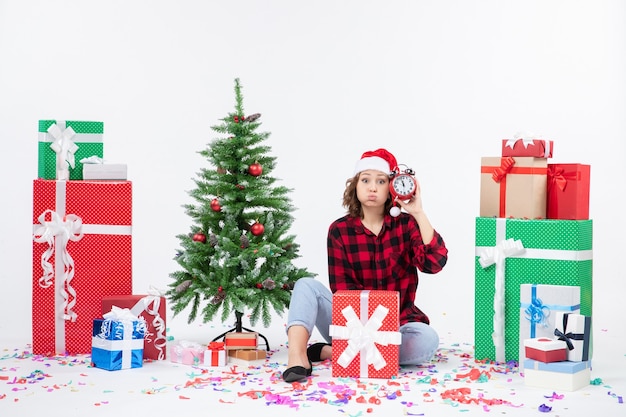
x: 58, y: 232
x: 497, y: 256
x: 63, y: 146
x: 526, y: 138
x: 154, y: 300
x: 363, y: 337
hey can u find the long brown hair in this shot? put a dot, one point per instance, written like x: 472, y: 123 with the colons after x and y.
x: 352, y: 203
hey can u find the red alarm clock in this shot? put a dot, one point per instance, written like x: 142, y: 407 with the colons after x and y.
x: 403, y: 186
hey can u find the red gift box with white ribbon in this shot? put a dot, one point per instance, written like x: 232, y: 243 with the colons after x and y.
x: 82, y: 252
x: 365, y: 332
x: 150, y: 307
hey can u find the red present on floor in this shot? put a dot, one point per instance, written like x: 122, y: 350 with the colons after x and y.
x: 568, y: 191
x: 545, y: 350
x: 82, y: 252
x: 365, y: 331
x: 150, y: 307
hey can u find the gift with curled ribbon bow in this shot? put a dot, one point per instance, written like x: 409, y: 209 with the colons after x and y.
x: 81, y: 252
x: 152, y: 308
x: 365, y: 332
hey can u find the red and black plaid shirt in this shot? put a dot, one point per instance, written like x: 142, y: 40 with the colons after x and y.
x: 360, y: 260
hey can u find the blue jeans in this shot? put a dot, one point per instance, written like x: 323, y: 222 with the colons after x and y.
x: 311, y: 306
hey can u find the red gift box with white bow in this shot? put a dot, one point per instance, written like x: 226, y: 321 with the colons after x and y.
x: 365, y: 332
x: 82, y: 252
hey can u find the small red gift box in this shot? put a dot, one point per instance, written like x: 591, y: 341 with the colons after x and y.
x: 545, y: 350
x: 241, y: 340
x: 538, y: 148
x: 152, y: 309
x: 513, y: 187
x: 82, y: 251
x: 568, y: 191
x: 365, y: 331
x: 215, y: 355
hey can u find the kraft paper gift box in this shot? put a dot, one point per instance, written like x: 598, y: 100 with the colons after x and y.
x: 568, y: 191
x: 513, y: 187
x: 105, y: 171
x: 557, y: 376
x: 512, y: 252
x: 365, y: 334
x: 248, y: 354
x: 538, y: 309
x: 82, y: 252
x: 150, y: 307
x: 537, y: 148
x: 62, y: 145
x: 241, y: 340
x: 187, y: 353
x: 215, y: 354
x: 575, y: 330
x: 117, y: 341
x: 545, y: 350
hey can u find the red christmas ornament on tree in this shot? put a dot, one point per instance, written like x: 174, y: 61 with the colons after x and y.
x: 215, y: 205
x: 199, y: 237
x: 255, y: 169
x: 257, y: 229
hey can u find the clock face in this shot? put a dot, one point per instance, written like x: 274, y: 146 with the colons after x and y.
x: 403, y: 185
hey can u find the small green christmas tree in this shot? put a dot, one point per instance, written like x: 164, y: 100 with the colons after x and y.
x: 239, y: 253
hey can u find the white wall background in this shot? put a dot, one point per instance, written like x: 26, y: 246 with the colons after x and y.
x: 439, y: 83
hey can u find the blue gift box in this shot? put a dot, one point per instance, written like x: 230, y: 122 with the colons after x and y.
x: 117, y: 344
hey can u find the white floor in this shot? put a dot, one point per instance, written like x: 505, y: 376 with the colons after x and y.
x: 68, y: 386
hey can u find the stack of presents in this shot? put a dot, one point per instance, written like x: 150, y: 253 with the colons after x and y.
x: 82, y: 300
x: 533, y: 277
x: 533, y: 265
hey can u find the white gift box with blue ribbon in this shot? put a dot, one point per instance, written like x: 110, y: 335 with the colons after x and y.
x: 118, y: 341
x: 538, y: 307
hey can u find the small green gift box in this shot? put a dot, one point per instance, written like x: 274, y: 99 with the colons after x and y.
x: 67, y: 142
x: 512, y: 252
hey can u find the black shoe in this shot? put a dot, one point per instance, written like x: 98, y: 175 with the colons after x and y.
x: 314, y: 352
x: 297, y: 373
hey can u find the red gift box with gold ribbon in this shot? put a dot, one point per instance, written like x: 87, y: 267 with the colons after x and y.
x: 82, y: 252
x: 568, y: 191
x: 365, y: 332
x: 513, y: 187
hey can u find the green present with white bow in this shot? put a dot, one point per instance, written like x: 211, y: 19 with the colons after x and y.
x: 63, y: 144
x: 512, y: 252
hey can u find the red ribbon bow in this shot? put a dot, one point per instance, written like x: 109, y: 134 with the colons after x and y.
x: 216, y: 346
x: 556, y: 176
x: 506, y: 164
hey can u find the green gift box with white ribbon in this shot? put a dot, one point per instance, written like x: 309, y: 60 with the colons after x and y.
x: 512, y: 252
x: 63, y: 144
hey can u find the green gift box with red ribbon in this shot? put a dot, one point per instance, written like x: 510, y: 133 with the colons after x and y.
x: 568, y: 191
x: 513, y: 187
x: 512, y: 252
x: 62, y: 144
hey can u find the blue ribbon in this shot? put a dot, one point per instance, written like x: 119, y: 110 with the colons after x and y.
x: 537, y: 313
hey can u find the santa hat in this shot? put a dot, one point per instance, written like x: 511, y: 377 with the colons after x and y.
x: 380, y: 160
